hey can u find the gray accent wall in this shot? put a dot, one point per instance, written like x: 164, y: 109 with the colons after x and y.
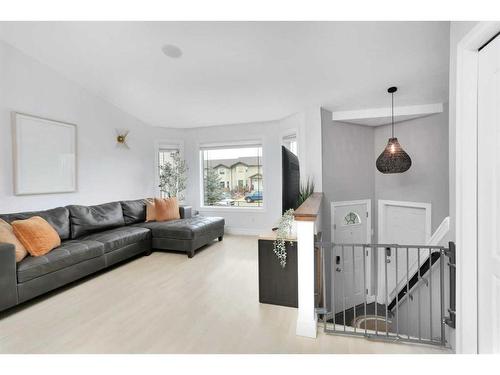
x: 426, y: 141
x: 347, y: 158
x: 348, y: 165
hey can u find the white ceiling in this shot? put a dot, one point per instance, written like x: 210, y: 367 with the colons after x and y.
x: 239, y: 72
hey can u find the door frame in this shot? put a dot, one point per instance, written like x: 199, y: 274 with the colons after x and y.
x: 382, y: 206
x: 369, y: 259
x: 466, y: 126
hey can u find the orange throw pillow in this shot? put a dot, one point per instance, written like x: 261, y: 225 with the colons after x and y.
x: 7, y: 235
x: 150, y: 210
x: 167, y: 209
x: 37, y: 235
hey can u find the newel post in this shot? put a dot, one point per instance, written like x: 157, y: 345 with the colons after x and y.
x: 306, y: 217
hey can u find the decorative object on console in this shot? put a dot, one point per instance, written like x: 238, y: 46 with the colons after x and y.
x: 283, y: 231
x: 173, y: 177
x: 44, y: 154
x: 7, y: 236
x: 121, y: 138
x: 393, y: 159
x: 305, y: 191
x: 36, y: 235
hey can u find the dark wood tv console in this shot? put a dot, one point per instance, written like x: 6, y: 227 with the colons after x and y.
x: 277, y: 285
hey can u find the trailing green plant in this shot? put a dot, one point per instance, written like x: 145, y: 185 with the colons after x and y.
x: 173, y: 177
x: 282, y: 232
x: 305, y: 191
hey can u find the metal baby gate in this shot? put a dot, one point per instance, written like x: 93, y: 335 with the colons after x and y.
x: 388, y: 291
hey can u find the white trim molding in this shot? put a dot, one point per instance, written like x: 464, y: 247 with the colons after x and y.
x: 466, y: 184
x: 382, y: 116
x: 307, y: 319
x: 440, y: 233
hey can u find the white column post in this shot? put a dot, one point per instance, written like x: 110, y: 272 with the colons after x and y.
x: 307, y: 318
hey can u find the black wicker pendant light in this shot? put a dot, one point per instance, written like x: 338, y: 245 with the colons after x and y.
x: 393, y: 159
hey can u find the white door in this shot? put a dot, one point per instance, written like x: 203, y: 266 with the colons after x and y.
x: 351, y: 224
x: 488, y: 188
x: 400, y: 223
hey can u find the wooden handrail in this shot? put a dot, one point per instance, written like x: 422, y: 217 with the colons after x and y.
x: 309, y: 210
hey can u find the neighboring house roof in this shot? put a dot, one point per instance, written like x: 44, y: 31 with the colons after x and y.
x: 248, y: 161
x: 221, y: 165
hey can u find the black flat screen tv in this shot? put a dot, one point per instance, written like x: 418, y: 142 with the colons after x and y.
x: 290, y: 179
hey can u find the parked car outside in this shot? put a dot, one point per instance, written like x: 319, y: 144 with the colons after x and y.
x: 253, y: 197
x: 226, y: 200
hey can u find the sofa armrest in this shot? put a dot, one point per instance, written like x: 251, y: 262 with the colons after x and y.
x: 8, y: 276
x: 185, y: 212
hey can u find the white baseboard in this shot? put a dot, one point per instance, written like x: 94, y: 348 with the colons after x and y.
x: 243, y: 231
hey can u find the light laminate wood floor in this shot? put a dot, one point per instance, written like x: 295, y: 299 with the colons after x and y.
x: 167, y: 303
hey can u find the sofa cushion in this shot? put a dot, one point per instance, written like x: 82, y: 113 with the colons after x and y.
x: 69, y: 253
x: 134, y: 211
x: 89, y: 219
x: 166, y: 209
x: 119, y: 237
x: 7, y: 236
x: 57, y: 217
x: 150, y: 210
x: 184, y: 229
x: 36, y: 235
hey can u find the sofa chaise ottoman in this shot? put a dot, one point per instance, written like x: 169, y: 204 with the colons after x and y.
x: 94, y: 238
x: 187, y: 234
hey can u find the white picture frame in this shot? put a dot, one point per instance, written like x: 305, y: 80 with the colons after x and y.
x: 44, y: 155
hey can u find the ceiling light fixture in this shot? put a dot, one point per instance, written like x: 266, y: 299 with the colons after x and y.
x: 393, y: 159
x: 171, y: 51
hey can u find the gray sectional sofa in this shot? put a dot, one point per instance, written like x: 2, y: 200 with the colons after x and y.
x: 93, y: 238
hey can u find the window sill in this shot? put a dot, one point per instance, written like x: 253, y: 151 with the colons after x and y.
x: 231, y: 209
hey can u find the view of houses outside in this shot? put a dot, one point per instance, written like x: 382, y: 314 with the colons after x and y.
x: 233, y: 177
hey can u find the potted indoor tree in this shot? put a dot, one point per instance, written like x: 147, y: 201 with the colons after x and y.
x: 173, y: 177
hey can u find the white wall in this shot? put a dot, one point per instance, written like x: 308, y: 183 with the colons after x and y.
x: 105, y: 172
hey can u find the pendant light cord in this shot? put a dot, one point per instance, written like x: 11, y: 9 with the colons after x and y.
x: 392, y: 113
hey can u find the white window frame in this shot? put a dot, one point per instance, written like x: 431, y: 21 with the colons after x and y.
x: 165, y: 145
x: 230, y: 144
x: 289, y: 134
